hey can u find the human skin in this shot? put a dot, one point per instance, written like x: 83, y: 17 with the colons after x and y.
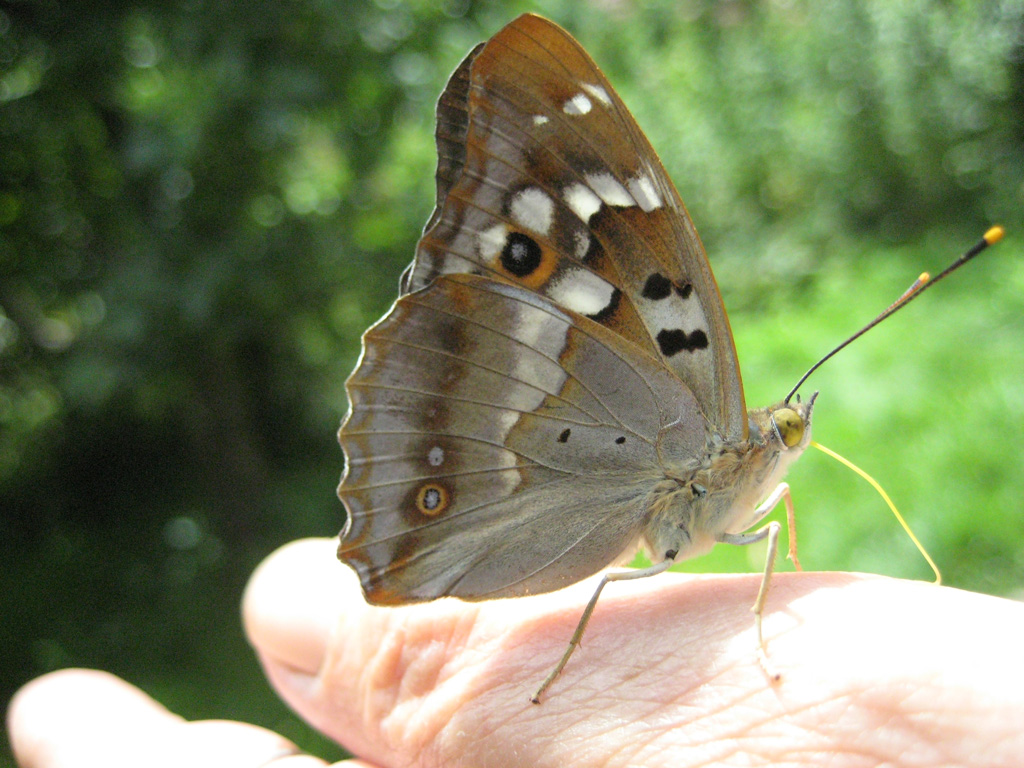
x: 873, y: 671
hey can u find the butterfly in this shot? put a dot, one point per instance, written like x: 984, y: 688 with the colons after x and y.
x: 556, y: 385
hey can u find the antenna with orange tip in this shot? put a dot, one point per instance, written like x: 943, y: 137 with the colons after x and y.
x: 991, y: 237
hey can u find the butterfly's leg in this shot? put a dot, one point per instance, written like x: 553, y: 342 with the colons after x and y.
x: 781, y: 493
x: 771, y: 531
x: 790, y: 527
x: 574, y: 641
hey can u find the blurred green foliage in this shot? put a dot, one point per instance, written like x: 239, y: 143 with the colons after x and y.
x: 203, y: 204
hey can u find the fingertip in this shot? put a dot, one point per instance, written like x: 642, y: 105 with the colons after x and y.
x: 292, y: 602
x: 60, y: 708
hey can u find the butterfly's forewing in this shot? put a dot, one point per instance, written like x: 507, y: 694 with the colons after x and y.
x: 500, y: 445
x: 545, y: 179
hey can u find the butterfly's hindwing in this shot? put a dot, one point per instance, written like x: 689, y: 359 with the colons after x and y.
x: 480, y: 408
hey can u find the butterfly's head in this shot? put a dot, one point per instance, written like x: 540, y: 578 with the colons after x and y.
x: 785, y: 427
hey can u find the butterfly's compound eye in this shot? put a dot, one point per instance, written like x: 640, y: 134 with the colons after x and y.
x: 789, y: 426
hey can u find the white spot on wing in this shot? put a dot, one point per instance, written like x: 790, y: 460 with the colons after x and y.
x: 436, y: 456
x: 643, y: 191
x: 539, y: 119
x: 491, y: 241
x: 598, y: 93
x: 581, y: 241
x: 505, y: 420
x: 533, y: 209
x: 677, y: 312
x: 577, y: 105
x: 582, y: 200
x: 581, y: 291
x: 609, y: 189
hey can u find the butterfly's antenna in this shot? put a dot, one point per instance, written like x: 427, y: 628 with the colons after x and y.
x: 993, y: 236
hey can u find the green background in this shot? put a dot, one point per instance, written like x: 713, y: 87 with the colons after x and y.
x: 203, y: 204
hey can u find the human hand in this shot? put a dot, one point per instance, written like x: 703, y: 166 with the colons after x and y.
x: 84, y: 718
x: 874, y: 670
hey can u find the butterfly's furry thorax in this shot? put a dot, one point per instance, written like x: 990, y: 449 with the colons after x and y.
x: 690, y: 510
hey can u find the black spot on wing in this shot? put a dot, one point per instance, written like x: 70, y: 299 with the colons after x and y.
x: 564, y: 437
x: 431, y: 498
x: 657, y: 287
x: 672, y: 342
x: 521, y: 255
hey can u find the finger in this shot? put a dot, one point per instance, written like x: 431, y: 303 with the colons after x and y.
x: 668, y: 667
x: 80, y: 718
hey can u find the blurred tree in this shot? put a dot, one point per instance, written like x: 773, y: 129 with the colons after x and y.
x: 203, y: 203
